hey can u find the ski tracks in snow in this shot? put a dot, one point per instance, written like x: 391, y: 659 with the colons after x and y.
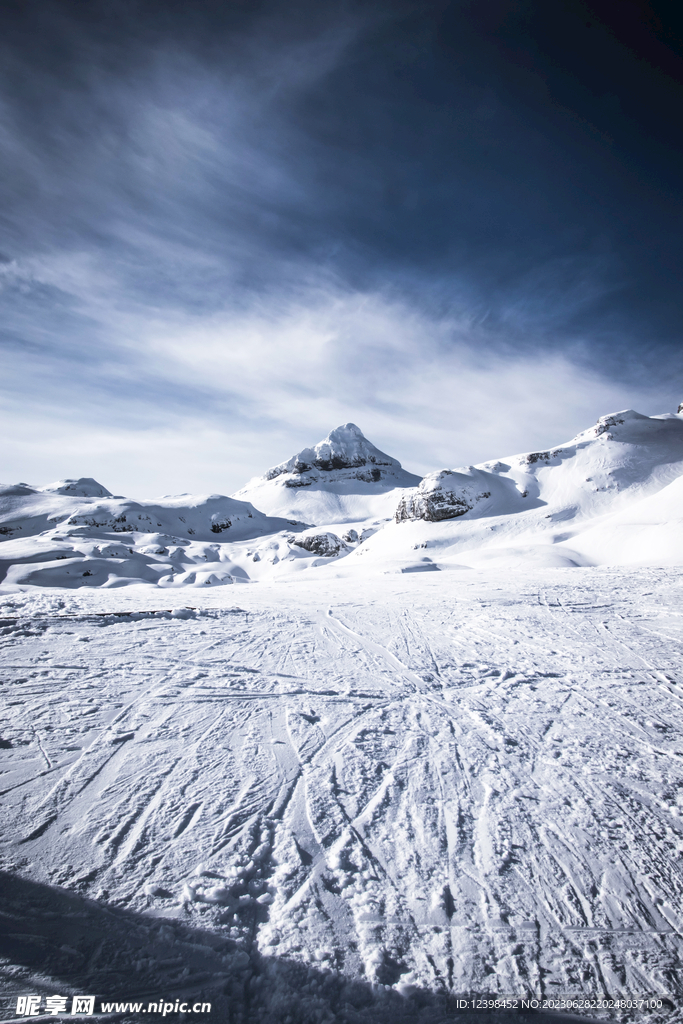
x: 473, y: 783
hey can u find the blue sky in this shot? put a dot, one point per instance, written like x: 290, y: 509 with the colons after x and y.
x: 229, y: 227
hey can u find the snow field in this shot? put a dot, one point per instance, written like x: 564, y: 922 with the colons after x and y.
x: 425, y: 785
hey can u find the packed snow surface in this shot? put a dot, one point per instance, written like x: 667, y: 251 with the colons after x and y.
x: 347, y: 803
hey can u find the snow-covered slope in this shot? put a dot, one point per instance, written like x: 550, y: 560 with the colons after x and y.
x: 647, y: 532
x: 85, y: 487
x: 624, y: 456
x: 617, y: 483
x: 343, y: 804
x: 342, y: 479
x: 58, y: 538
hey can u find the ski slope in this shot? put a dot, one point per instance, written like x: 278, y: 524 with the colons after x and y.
x: 350, y: 746
x: 345, y: 802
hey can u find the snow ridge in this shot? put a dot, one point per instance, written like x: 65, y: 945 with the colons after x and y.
x: 645, y: 450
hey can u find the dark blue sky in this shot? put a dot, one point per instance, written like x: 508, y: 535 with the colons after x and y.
x: 227, y: 227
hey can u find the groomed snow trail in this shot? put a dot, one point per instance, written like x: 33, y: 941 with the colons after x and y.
x: 460, y: 782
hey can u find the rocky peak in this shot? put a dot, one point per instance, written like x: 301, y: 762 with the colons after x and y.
x: 344, y: 448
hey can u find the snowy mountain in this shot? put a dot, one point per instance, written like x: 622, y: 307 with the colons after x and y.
x: 344, y: 479
x: 616, y: 481
x: 611, y: 495
x: 625, y: 455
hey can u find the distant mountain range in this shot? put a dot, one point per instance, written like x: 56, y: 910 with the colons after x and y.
x: 611, y: 495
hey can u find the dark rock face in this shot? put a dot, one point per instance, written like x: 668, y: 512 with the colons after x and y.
x: 533, y: 457
x: 605, y: 422
x: 336, y: 461
x: 370, y: 476
x: 329, y: 460
x: 325, y: 544
x: 104, y: 519
x: 220, y: 523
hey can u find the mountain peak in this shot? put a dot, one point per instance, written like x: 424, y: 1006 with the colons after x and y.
x: 345, y: 432
x: 344, y: 448
x: 342, y: 479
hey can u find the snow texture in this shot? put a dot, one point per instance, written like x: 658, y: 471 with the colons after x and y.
x: 349, y: 805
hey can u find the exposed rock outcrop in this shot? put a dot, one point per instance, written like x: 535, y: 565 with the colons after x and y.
x: 443, y: 495
x: 328, y: 545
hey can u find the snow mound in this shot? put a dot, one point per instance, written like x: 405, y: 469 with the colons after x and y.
x: 15, y: 490
x: 342, y: 479
x: 201, y: 516
x: 84, y: 487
